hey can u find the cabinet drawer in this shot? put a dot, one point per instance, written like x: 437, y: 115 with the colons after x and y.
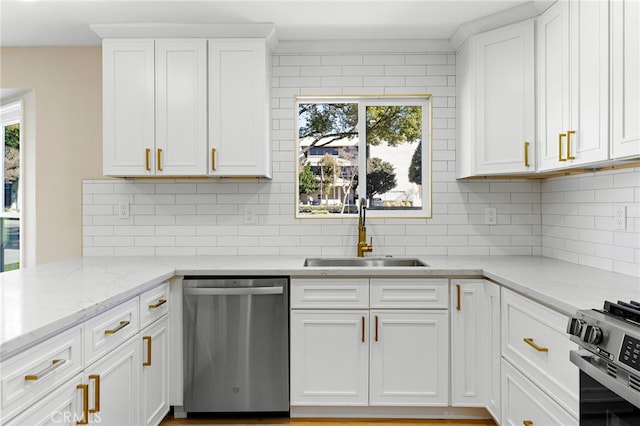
x: 109, y: 329
x: 534, y: 340
x: 330, y: 293
x: 409, y: 293
x: 63, y: 406
x: 154, y: 304
x: 522, y: 400
x: 36, y: 372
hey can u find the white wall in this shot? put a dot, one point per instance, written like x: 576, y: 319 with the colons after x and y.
x: 204, y: 217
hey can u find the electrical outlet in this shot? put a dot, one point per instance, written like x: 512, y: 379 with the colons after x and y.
x: 490, y: 216
x: 250, y: 215
x: 123, y: 210
x: 620, y: 217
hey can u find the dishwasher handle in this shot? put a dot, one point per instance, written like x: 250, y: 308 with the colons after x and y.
x: 241, y: 291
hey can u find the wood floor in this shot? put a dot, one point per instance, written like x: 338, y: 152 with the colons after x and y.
x: 170, y: 421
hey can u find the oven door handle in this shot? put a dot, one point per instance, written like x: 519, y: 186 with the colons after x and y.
x: 583, y: 360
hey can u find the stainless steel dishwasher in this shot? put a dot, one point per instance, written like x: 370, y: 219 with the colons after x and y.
x: 236, y: 344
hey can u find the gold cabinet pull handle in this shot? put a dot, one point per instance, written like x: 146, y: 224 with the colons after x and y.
x: 458, y: 305
x: 159, y: 159
x: 377, y: 329
x: 146, y: 159
x: 55, y: 364
x: 569, y: 133
x: 213, y: 159
x: 362, y: 331
x: 560, y: 136
x: 526, y: 154
x: 529, y: 341
x: 85, y: 404
x: 122, y: 325
x: 527, y: 422
x: 96, y: 393
x: 157, y: 305
x: 147, y: 339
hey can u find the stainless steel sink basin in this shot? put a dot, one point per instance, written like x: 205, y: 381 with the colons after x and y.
x: 364, y: 262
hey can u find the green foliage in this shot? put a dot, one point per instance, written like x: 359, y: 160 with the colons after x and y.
x: 415, y: 168
x: 393, y: 124
x: 328, y: 170
x: 12, y: 135
x: 328, y: 120
x: 307, y: 182
x: 381, y: 177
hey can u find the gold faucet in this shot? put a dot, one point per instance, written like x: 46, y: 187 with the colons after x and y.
x: 363, y: 247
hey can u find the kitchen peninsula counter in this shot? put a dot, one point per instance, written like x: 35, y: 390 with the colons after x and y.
x: 40, y: 301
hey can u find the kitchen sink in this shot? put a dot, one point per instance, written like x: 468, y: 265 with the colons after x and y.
x: 364, y: 262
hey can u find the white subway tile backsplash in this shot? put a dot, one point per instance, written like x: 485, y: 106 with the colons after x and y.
x: 568, y: 218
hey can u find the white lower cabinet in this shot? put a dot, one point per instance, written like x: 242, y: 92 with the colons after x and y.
x: 155, y: 372
x: 475, y: 345
x: 409, y: 358
x: 386, y: 356
x: 103, y: 371
x: 524, y: 403
x: 114, y: 386
x: 329, y: 357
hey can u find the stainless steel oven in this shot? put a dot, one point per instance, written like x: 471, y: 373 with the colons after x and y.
x: 609, y: 361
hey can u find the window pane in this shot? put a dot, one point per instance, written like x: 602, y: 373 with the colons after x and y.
x: 10, y: 220
x: 394, y: 157
x: 328, y: 158
x: 368, y: 148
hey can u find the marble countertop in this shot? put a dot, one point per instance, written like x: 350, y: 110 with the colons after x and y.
x: 40, y: 301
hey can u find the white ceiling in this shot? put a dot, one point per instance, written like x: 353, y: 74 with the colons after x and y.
x: 58, y: 23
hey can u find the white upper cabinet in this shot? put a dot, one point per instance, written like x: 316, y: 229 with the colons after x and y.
x: 128, y: 107
x: 496, y: 104
x: 573, y: 84
x: 625, y: 78
x: 173, y: 107
x: 181, y: 107
x: 155, y: 107
x: 239, y: 108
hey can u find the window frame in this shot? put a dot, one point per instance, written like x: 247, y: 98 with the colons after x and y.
x: 363, y: 101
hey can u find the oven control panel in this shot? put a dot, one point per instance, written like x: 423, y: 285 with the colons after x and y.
x: 630, y: 352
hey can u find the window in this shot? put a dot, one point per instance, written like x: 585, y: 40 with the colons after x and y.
x: 387, y: 137
x: 10, y: 116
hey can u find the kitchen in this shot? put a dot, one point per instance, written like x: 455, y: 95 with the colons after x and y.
x: 569, y: 218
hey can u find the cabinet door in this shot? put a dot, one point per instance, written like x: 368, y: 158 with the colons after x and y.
x: 491, y: 335
x: 181, y: 107
x: 589, y: 71
x: 469, y: 347
x: 128, y: 107
x: 553, y: 85
x: 63, y: 406
x: 504, y: 100
x: 329, y: 357
x: 239, y: 108
x: 625, y: 78
x: 524, y: 403
x: 155, y: 372
x: 409, y: 358
x: 117, y: 376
